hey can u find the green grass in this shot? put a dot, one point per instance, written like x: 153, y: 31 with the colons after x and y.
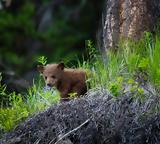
x: 138, y: 62
x: 22, y: 106
x: 133, y: 64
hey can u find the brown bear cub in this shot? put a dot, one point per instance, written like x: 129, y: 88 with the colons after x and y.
x: 65, y: 80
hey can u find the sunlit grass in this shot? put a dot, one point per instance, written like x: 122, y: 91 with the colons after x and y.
x: 138, y: 61
x: 22, y: 106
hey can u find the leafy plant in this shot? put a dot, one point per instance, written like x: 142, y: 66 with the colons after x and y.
x: 42, y: 60
x: 116, y: 87
x: 72, y: 95
x: 144, y: 63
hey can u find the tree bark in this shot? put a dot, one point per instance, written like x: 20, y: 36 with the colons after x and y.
x: 129, y: 19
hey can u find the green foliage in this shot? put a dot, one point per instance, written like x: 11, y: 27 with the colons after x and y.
x: 11, y: 116
x: 116, y: 87
x: 154, y: 62
x: 72, y: 95
x: 91, y: 51
x: 134, y: 87
x: 144, y: 63
x: 42, y: 60
x: 4, y: 97
x: 37, y: 99
x: 0, y: 76
x: 137, y: 61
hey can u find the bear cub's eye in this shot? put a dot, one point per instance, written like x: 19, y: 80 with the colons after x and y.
x: 53, y: 77
x: 45, y: 77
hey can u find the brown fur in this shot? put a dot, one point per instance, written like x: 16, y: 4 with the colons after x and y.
x: 64, y: 79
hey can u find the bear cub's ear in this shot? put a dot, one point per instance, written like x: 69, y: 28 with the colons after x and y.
x: 40, y: 68
x: 61, y: 66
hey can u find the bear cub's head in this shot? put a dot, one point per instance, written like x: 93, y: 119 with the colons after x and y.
x: 52, y: 73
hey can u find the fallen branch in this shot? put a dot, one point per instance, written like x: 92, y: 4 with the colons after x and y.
x: 67, y: 134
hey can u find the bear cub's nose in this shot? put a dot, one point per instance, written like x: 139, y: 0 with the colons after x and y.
x: 49, y: 85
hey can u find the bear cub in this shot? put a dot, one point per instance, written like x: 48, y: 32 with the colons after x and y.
x: 66, y: 80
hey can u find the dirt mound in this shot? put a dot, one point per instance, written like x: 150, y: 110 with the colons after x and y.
x: 97, y: 118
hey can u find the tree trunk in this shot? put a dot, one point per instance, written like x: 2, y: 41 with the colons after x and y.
x: 129, y: 19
